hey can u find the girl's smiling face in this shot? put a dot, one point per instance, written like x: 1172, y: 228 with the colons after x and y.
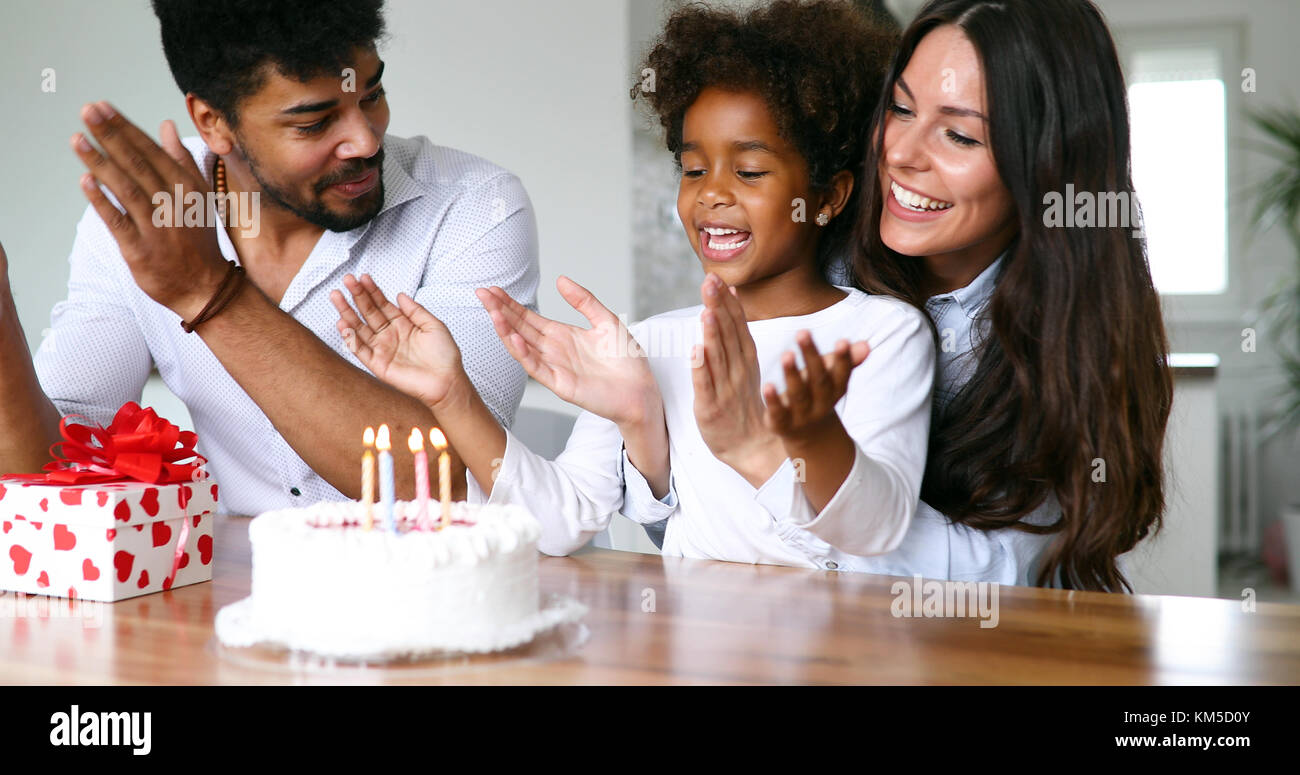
x: 739, y: 181
x: 942, y: 192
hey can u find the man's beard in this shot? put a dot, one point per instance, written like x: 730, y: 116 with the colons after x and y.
x: 315, y: 211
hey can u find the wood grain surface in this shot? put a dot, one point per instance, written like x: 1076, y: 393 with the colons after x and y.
x: 710, y: 623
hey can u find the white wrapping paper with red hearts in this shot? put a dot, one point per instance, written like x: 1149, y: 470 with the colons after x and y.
x: 104, y: 542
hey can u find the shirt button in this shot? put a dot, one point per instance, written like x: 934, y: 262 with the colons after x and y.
x: 832, y: 565
x: 295, y: 491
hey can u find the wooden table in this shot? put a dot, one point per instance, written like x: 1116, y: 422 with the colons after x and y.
x: 712, y: 623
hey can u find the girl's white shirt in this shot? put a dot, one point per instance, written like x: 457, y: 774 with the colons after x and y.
x: 933, y: 547
x: 712, y: 511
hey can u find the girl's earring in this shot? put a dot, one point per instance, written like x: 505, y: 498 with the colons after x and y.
x: 823, y: 219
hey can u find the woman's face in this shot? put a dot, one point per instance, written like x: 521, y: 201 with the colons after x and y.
x: 943, y: 196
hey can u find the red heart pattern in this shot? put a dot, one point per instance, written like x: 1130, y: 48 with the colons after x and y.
x: 124, y: 565
x: 123, y: 561
x: 162, y: 534
x: 21, y: 557
x: 150, y: 501
x: 64, y: 540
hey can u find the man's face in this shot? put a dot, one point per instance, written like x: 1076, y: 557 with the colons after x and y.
x: 316, y: 148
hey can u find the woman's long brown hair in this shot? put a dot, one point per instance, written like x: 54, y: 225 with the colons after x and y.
x: 1072, y: 390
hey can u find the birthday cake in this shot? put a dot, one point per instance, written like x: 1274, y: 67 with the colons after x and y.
x: 325, y: 583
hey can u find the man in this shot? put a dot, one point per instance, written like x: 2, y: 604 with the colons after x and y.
x: 289, y: 104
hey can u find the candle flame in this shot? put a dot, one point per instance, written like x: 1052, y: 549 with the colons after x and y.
x: 415, y: 442
x: 438, y: 440
x: 368, y: 438
x: 383, y: 442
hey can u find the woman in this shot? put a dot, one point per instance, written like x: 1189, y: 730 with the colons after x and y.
x: 1053, y: 390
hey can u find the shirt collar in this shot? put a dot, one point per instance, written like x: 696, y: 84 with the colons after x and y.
x: 975, y: 295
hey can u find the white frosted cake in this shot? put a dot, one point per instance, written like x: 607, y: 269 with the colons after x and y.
x: 322, y: 583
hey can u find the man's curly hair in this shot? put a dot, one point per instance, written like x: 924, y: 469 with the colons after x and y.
x: 218, y: 49
x: 820, y: 67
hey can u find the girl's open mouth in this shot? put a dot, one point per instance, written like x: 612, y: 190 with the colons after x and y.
x: 722, y: 244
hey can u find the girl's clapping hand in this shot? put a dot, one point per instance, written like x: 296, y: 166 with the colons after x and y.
x: 728, y: 407
x: 807, y: 407
x: 402, y: 344
x: 601, y: 369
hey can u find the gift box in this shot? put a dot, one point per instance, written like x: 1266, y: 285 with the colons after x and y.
x: 118, y: 514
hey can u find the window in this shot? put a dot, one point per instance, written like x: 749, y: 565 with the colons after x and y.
x: 1178, y: 109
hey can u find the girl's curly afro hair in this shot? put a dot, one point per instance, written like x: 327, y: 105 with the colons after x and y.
x: 820, y: 67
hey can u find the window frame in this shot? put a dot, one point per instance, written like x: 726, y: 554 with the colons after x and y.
x: 1227, y: 38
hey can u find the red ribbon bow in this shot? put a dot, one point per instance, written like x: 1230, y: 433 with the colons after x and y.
x: 138, y: 445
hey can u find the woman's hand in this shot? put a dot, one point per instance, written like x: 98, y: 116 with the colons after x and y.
x: 807, y: 408
x: 403, y: 345
x: 601, y: 369
x: 728, y: 406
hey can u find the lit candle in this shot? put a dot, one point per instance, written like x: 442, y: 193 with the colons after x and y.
x: 416, y: 445
x: 368, y: 478
x: 385, y: 479
x: 439, y: 443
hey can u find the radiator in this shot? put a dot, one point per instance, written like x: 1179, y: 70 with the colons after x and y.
x: 1239, y: 528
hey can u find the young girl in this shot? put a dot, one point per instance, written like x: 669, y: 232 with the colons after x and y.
x: 1052, y: 398
x: 764, y: 112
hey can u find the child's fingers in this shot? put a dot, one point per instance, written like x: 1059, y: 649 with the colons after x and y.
x: 584, y: 301
x: 528, y: 322
x: 732, y: 302
x: 796, y: 392
x: 728, y: 336
x: 518, y: 345
x: 776, y: 415
x: 356, y: 345
x: 413, y: 311
x: 841, y: 367
x: 528, y: 358
x: 501, y: 325
x: 392, y: 315
x: 859, y: 351
x: 514, y: 313
x: 365, y: 305
x: 348, y: 316
x: 714, y: 351
x: 701, y: 379
x: 812, y: 361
